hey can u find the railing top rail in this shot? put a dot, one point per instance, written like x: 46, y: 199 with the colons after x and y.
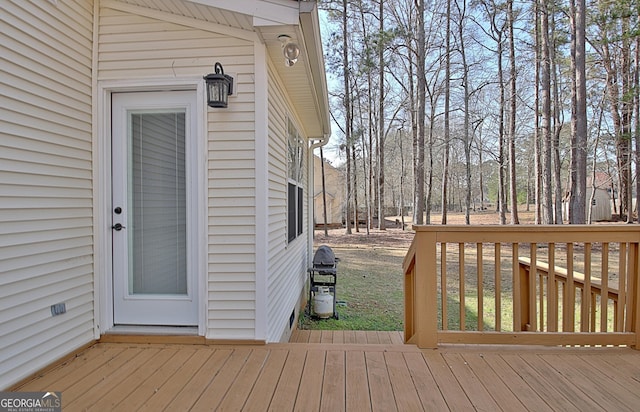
x: 528, y: 228
x: 408, y: 259
x: 532, y: 233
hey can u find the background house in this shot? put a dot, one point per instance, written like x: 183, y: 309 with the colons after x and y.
x: 601, y: 202
x: 334, y: 188
x: 99, y: 99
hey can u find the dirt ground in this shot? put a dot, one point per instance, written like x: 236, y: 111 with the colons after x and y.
x: 395, y: 237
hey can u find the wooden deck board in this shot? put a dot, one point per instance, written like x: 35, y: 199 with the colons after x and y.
x: 406, y: 395
x: 333, y: 384
x: 141, y: 396
x: 200, y: 380
x: 165, y: 393
x: 356, y: 382
x: 310, y: 390
x: 382, y: 398
x: 223, y: 380
x: 134, y: 385
x: 267, y: 381
x: 615, y: 367
x: 447, y: 383
x: 347, y: 336
x: 243, y: 384
x: 589, y: 381
x: 343, y: 377
x: 90, y: 389
x: 514, y: 381
x: 425, y: 384
x: 544, y: 383
x: 475, y: 390
x: 289, y: 381
x: 492, y: 382
x: 72, y: 372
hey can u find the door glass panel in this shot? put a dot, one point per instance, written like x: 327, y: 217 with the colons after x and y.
x: 157, y: 196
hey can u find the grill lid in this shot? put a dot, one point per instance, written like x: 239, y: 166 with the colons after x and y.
x: 324, y: 257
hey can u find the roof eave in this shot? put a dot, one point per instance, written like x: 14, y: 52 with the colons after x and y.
x: 310, y: 25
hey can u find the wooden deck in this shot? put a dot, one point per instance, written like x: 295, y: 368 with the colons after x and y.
x: 344, y: 376
x: 347, y: 336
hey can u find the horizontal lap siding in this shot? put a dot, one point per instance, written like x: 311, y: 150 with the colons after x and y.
x: 232, y: 223
x: 287, y: 262
x: 135, y: 47
x: 46, y: 252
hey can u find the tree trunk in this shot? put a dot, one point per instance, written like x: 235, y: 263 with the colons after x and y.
x: 447, y: 103
x: 557, y: 123
x: 620, y: 107
x: 545, y: 94
x: 636, y: 82
x: 512, y: 121
x: 501, y: 201
x: 347, y: 108
x: 537, y: 132
x: 381, y: 214
x: 578, y: 190
x: 418, y: 214
x: 467, y: 136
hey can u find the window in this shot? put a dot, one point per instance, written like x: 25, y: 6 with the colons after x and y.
x: 295, y: 191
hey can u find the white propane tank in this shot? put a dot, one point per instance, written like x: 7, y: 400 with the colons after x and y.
x: 323, y: 303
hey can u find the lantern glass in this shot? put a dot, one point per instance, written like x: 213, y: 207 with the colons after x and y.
x: 217, y: 92
x: 219, y: 87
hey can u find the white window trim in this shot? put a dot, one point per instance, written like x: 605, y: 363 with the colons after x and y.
x: 300, y: 164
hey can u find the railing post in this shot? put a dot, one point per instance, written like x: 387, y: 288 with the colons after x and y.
x: 426, y: 285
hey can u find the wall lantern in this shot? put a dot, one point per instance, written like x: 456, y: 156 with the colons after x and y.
x: 219, y: 87
x: 290, y: 50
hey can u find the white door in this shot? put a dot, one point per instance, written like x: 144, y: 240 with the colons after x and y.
x: 152, y: 166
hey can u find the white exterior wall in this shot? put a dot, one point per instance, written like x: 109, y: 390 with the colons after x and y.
x: 137, y: 47
x: 287, y: 261
x: 46, y: 244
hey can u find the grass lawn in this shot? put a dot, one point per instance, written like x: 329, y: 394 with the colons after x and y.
x: 369, y: 293
x: 369, y: 286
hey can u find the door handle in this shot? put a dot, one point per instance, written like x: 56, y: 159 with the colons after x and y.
x: 117, y: 227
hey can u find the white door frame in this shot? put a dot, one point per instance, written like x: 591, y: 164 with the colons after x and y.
x: 102, y: 211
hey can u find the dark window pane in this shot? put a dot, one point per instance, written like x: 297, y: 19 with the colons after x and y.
x: 300, y: 210
x: 291, y: 213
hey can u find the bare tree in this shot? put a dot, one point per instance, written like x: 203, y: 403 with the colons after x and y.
x: 577, y: 200
x: 381, y: 66
x: 419, y: 200
x: 557, y: 117
x: 512, y: 118
x: 347, y: 109
x: 613, y: 22
x: 545, y: 96
x: 447, y: 104
x: 462, y: 12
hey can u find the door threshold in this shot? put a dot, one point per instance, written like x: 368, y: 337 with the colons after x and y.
x: 153, y: 334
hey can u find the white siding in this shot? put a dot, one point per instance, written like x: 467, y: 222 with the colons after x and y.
x: 287, y: 262
x: 46, y: 242
x: 138, y: 47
